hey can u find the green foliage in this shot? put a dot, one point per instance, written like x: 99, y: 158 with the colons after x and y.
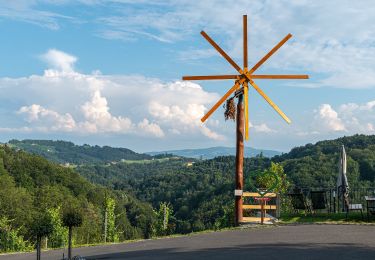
x: 42, y: 226
x: 58, y: 237
x: 30, y: 185
x: 10, y: 239
x: 163, y: 216
x: 201, y: 194
x: 273, y: 178
x: 72, y: 218
x: 110, y: 205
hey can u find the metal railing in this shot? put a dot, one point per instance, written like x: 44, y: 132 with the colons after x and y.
x: 334, y: 197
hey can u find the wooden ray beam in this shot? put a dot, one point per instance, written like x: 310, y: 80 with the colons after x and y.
x: 279, y: 76
x: 269, y: 54
x: 245, y: 85
x: 236, y: 86
x: 246, y: 102
x: 210, y: 77
x: 273, y: 105
x: 253, y: 76
x: 221, y: 51
x: 234, y: 64
x: 245, y: 58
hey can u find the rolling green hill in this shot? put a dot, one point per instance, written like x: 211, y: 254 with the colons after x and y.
x: 201, y: 192
x: 30, y: 185
x: 67, y: 152
x: 212, y: 152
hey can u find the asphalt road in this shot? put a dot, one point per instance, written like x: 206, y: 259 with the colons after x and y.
x: 276, y: 242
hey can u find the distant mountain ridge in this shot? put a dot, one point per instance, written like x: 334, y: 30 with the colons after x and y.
x: 68, y: 152
x: 212, y: 152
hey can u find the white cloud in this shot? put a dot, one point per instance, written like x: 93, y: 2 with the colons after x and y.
x: 59, y: 60
x: 28, y: 11
x: 329, y: 118
x: 340, y: 56
x: 63, y: 100
x: 352, y: 118
x: 58, y: 122
x: 99, y: 119
x: 263, y: 128
x: 151, y: 128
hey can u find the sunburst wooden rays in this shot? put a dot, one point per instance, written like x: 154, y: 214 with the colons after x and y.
x: 245, y: 77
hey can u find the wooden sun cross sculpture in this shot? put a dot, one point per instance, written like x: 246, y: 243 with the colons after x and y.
x: 240, y: 88
x: 245, y: 76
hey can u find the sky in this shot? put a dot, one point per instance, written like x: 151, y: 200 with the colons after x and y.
x: 108, y: 72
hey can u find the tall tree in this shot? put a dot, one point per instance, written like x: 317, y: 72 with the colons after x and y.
x: 42, y: 226
x: 71, y: 218
x: 110, y: 233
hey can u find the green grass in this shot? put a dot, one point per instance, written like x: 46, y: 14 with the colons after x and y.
x: 338, y: 218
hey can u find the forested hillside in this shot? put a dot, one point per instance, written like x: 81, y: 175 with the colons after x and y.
x: 67, y: 152
x: 30, y: 186
x: 199, y: 194
x: 316, y: 165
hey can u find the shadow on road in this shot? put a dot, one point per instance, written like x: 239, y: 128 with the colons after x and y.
x: 288, y: 251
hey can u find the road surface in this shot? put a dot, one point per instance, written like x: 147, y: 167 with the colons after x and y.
x: 275, y: 242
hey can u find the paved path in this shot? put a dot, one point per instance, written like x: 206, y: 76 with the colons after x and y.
x: 277, y: 242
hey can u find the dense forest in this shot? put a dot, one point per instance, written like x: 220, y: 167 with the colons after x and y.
x: 32, y: 187
x: 201, y: 193
x: 191, y: 194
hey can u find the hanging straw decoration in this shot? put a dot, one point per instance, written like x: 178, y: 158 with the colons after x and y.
x: 230, y: 109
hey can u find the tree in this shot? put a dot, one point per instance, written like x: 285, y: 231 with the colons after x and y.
x: 109, y: 221
x: 71, y: 218
x: 10, y: 239
x: 163, y: 216
x: 58, y: 237
x: 273, y: 178
x: 42, y: 226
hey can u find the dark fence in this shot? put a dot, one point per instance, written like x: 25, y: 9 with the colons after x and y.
x: 334, y: 197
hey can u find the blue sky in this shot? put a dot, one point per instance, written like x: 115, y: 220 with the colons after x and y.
x: 109, y: 72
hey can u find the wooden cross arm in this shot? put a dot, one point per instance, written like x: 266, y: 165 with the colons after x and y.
x: 218, y: 77
x: 222, y: 99
x: 273, y: 105
x: 222, y: 52
x: 210, y: 77
x: 279, y: 76
x: 269, y: 54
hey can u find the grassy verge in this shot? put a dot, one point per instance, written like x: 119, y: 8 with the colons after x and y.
x: 195, y: 233
x: 338, y: 218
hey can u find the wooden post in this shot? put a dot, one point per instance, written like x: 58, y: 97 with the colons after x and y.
x: 38, y: 246
x: 262, y: 211
x: 70, y: 243
x: 239, y: 158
